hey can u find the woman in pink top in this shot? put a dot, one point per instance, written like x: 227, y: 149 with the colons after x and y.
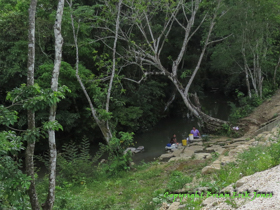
x: 195, y: 132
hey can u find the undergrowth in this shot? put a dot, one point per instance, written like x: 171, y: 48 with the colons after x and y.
x: 145, y: 186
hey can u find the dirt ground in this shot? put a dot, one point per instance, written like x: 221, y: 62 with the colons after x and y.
x: 262, y: 114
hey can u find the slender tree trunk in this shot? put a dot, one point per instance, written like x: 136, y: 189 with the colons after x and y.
x: 54, y: 86
x: 114, y: 60
x: 248, y: 83
x: 101, y: 124
x: 29, y: 153
x: 260, y: 81
x: 275, y: 71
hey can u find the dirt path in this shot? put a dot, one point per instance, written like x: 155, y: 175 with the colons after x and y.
x: 265, y: 112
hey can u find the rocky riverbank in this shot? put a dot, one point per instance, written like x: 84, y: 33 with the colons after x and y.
x: 228, y: 150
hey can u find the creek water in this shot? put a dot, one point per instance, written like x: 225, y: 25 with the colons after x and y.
x: 156, y: 139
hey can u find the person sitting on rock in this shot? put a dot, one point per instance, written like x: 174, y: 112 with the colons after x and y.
x: 173, y: 140
x: 195, y: 133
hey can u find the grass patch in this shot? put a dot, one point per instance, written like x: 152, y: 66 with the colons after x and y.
x: 256, y: 159
x: 144, y: 187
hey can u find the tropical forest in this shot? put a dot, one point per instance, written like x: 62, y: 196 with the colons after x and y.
x: 139, y: 105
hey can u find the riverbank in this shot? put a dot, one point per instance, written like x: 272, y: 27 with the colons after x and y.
x: 235, y: 172
x: 145, y: 186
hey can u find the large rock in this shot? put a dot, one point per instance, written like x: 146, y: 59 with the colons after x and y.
x: 202, y: 156
x: 132, y: 149
x: 267, y: 137
x: 183, y: 158
x: 164, y: 206
x: 209, y: 201
x: 239, y: 149
x: 187, y: 152
x: 226, y: 159
x: 166, y: 156
x: 139, y: 149
x: 217, y: 148
x: 235, y: 144
x: 177, y: 152
x: 216, y: 164
x: 194, y: 148
x: 209, y: 169
x: 243, y: 147
x: 232, y: 153
x: 174, y: 206
x: 196, y: 144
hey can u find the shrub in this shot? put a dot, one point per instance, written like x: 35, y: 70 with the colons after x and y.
x: 117, y: 160
x: 177, y: 180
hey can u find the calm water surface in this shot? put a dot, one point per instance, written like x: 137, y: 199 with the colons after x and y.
x: 156, y: 139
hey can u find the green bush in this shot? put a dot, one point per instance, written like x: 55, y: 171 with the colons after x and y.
x: 245, y: 106
x: 13, y: 182
x: 117, y: 160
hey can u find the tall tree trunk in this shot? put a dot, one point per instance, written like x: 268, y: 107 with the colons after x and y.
x: 247, y: 82
x: 54, y: 86
x: 29, y: 153
x: 114, y: 59
x: 207, y: 123
x: 107, y: 134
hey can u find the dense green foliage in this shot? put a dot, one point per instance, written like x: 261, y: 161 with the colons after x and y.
x: 242, y: 61
x: 13, y: 182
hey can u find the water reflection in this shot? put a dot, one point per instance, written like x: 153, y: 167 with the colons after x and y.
x: 156, y: 139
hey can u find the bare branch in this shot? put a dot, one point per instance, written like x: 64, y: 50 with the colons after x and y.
x: 180, y: 24
x: 219, y: 40
x: 15, y: 129
x: 150, y: 30
x: 202, y: 21
x: 185, y: 13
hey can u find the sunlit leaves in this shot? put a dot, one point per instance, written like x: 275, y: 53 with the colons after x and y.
x: 52, y: 125
x: 34, y: 98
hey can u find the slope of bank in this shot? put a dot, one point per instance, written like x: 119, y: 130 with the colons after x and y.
x: 251, y: 166
x: 267, y: 111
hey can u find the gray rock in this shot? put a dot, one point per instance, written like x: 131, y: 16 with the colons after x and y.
x: 216, y: 148
x: 202, y: 156
x: 174, y: 206
x: 239, y: 183
x: 132, y: 149
x: 139, y: 149
x: 166, y: 156
x: 183, y: 158
x: 209, y: 170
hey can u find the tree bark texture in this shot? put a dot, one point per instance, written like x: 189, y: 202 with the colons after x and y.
x: 114, y: 59
x: 29, y: 153
x: 54, y: 86
x: 101, y: 124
